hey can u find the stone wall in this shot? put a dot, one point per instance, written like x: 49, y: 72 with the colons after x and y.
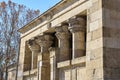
x: 94, y: 61
x: 111, y: 39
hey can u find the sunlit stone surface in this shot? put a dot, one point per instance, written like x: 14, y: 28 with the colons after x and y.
x: 74, y: 40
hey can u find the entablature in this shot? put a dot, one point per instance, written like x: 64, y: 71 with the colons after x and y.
x: 52, y: 17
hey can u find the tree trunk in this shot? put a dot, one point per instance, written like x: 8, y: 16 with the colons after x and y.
x: 1, y: 74
x: 6, y: 73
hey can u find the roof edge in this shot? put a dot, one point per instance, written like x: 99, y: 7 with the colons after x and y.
x: 41, y: 15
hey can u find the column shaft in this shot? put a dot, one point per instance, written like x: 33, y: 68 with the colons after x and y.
x: 34, y: 60
x: 64, y: 49
x: 78, y: 44
x: 53, y: 62
x: 34, y: 47
x: 44, y: 71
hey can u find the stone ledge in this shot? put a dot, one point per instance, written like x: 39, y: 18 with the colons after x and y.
x: 32, y: 72
x: 79, y: 60
x: 63, y: 64
x: 68, y: 63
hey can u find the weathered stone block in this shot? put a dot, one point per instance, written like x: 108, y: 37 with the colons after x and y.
x: 93, y: 64
x: 97, y: 43
x: 78, y: 60
x: 98, y: 33
x: 63, y: 64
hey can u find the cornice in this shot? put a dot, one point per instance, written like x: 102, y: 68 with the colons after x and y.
x: 21, y: 30
x: 63, y: 7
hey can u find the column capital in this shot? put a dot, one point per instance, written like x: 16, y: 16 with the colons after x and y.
x: 45, y: 42
x: 33, y: 45
x: 62, y: 32
x: 76, y: 24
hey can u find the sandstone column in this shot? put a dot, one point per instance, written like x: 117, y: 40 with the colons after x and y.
x: 63, y: 37
x: 45, y: 41
x: 34, y: 47
x: 77, y: 28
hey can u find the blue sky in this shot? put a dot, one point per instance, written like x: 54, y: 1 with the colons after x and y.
x: 42, y: 5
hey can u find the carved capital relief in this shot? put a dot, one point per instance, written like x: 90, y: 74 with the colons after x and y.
x: 62, y: 32
x: 33, y: 45
x: 77, y: 24
x: 45, y: 42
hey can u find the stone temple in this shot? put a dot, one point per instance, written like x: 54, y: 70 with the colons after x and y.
x: 73, y: 40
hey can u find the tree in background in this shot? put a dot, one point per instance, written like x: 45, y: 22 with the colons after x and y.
x: 12, y: 17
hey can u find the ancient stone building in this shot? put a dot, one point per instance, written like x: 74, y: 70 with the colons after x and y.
x: 73, y: 40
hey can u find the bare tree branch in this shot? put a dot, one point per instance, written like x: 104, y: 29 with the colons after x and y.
x: 12, y: 17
